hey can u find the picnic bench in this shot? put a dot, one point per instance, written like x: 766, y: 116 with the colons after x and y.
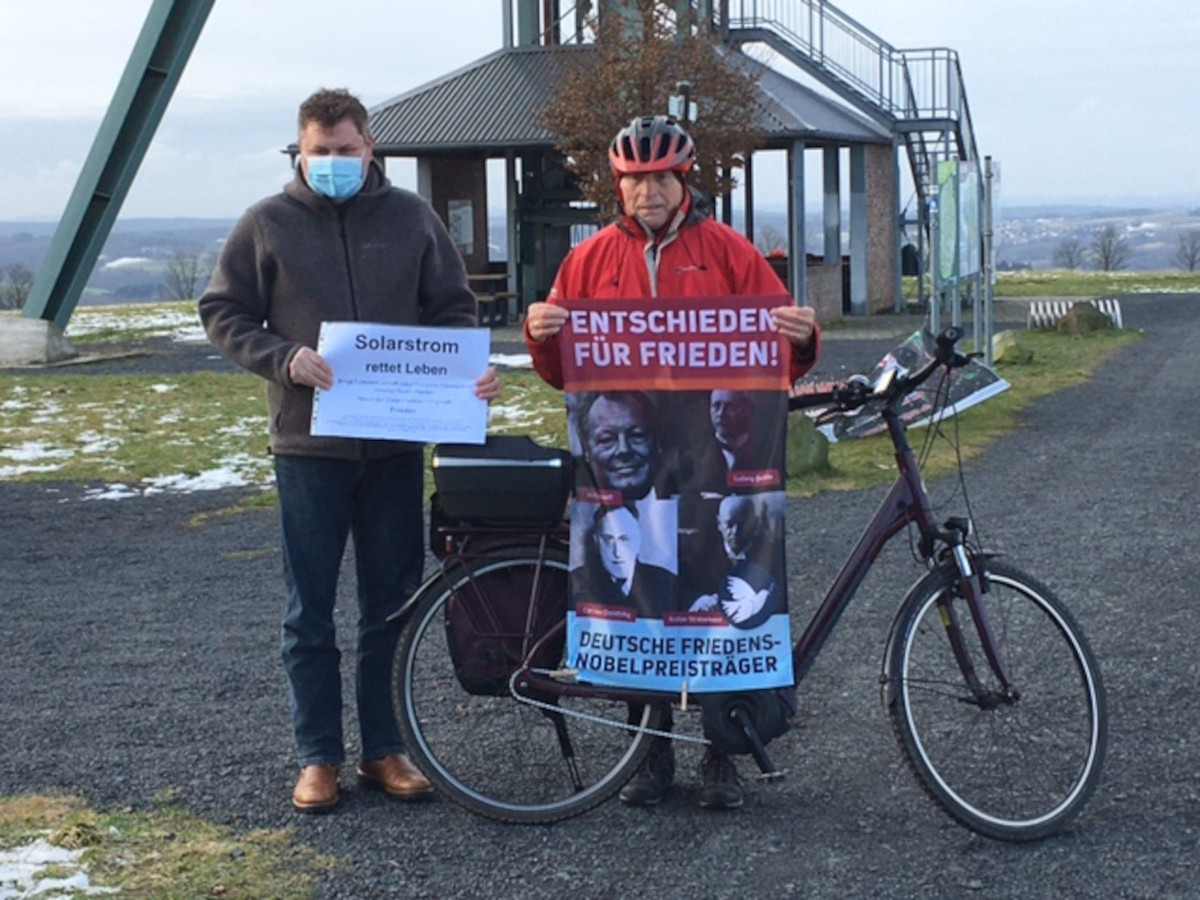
x: 493, y: 296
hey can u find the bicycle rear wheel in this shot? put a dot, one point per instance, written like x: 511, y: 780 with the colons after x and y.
x: 532, y: 760
x: 1009, y: 769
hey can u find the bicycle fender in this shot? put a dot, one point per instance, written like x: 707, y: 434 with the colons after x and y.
x: 497, y: 549
x: 415, y: 597
x: 945, y: 572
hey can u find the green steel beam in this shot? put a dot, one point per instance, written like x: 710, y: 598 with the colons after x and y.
x: 527, y: 23
x: 171, y: 30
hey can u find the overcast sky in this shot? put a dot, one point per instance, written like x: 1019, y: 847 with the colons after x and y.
x: 1079, y: 100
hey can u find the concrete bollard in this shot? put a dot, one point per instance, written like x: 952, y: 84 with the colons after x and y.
x: 25, y: 342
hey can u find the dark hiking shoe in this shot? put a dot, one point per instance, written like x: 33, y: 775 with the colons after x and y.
x: 721, y: 788
x: 654, y: 777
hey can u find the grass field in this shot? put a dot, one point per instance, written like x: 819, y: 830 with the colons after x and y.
x: 130, y: 435
x: 1080, y: 283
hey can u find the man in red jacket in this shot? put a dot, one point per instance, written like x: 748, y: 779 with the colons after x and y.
x: 664, y: 244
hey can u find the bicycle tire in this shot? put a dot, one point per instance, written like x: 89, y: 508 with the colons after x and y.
x: 497, y: 756
x: 1016, y: 771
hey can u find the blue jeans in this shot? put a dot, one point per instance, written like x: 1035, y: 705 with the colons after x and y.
x: 322, y: 502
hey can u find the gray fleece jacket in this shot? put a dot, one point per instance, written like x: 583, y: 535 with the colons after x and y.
x: 296, y: 259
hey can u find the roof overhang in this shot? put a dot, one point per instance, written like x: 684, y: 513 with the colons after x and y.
x: 494, y: 105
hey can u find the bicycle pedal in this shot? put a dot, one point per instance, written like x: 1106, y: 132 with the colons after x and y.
x: 770, y: 777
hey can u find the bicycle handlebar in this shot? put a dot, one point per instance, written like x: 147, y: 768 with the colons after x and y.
x: 857, y: 390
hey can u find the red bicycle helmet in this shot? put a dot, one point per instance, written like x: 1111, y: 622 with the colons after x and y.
x: 651, y: 144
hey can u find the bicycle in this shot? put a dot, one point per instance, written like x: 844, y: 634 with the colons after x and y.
x: 993, y: 693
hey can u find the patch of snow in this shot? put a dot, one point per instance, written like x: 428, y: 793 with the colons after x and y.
x: 111, y: 492
x: 239, y: 471
x: 245, y: 425
x: 194, y: 334
x: 14, y: 471
x: 31, y: 450
x: 511, y: 360
x: 23, y: 873
x: 166, y: 321
x: 127, y: 262
x: 212, y: 480
x: 516, y: 417
x: 95, y: 443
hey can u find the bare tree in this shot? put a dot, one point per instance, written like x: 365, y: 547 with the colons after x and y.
x: 184, y: 273
x: 15, y: 286
x: 1069, y: 254
x: 1187, y: 251
x: 641, y: 56
x: 1109, y: 250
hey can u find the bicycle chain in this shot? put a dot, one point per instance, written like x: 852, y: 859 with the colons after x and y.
x: 599, y: 720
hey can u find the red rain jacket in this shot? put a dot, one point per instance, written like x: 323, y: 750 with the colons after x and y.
x: 696, y: 256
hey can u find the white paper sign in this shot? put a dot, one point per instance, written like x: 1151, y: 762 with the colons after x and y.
x: 401, y: 382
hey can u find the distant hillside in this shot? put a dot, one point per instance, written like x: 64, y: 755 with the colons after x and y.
x: 130, y: 268
x: 122, y: 226
x: 1030, y: 235
x: 132, y: 263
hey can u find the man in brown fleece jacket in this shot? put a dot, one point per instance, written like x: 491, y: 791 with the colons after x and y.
x: 340, y: 243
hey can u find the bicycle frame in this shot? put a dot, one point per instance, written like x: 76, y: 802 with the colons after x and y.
x: 481, y: 660
x: 906, y: 504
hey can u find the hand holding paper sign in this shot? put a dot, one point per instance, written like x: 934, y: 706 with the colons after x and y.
x: 394, y: 382
x: 306, y: 367
x: 487, y: 385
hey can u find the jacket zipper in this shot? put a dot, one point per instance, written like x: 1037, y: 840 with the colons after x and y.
x: 654, y: 248
x: 341, y: 213
x: 653, y: 256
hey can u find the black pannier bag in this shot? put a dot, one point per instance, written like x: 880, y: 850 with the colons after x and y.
x: 485, y: 625
x: 509, y: 481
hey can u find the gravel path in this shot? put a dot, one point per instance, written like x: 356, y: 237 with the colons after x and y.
x: 138, y: 654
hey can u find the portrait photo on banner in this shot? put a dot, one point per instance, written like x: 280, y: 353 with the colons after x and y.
x: 676, y: 416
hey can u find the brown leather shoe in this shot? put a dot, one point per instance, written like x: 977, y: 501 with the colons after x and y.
x: 317, y: 789
x: 396, y: 776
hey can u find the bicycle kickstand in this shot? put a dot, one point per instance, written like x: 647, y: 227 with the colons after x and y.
x: 757, y: 748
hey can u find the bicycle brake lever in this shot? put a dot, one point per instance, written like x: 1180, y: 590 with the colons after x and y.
x: 853, y: 394
x: 945, y: 341
x: 827, y: 416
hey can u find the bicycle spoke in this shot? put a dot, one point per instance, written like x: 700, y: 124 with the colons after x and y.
x: 1013, y: 769
x: 514, y: 758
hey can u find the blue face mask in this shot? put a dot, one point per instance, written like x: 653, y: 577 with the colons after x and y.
x: 336, y: 177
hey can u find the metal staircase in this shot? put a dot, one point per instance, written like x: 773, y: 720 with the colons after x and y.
x: 918, y: 94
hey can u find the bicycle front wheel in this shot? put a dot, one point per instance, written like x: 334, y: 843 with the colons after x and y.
x: 523, y: 759
x: 1010, y: 768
